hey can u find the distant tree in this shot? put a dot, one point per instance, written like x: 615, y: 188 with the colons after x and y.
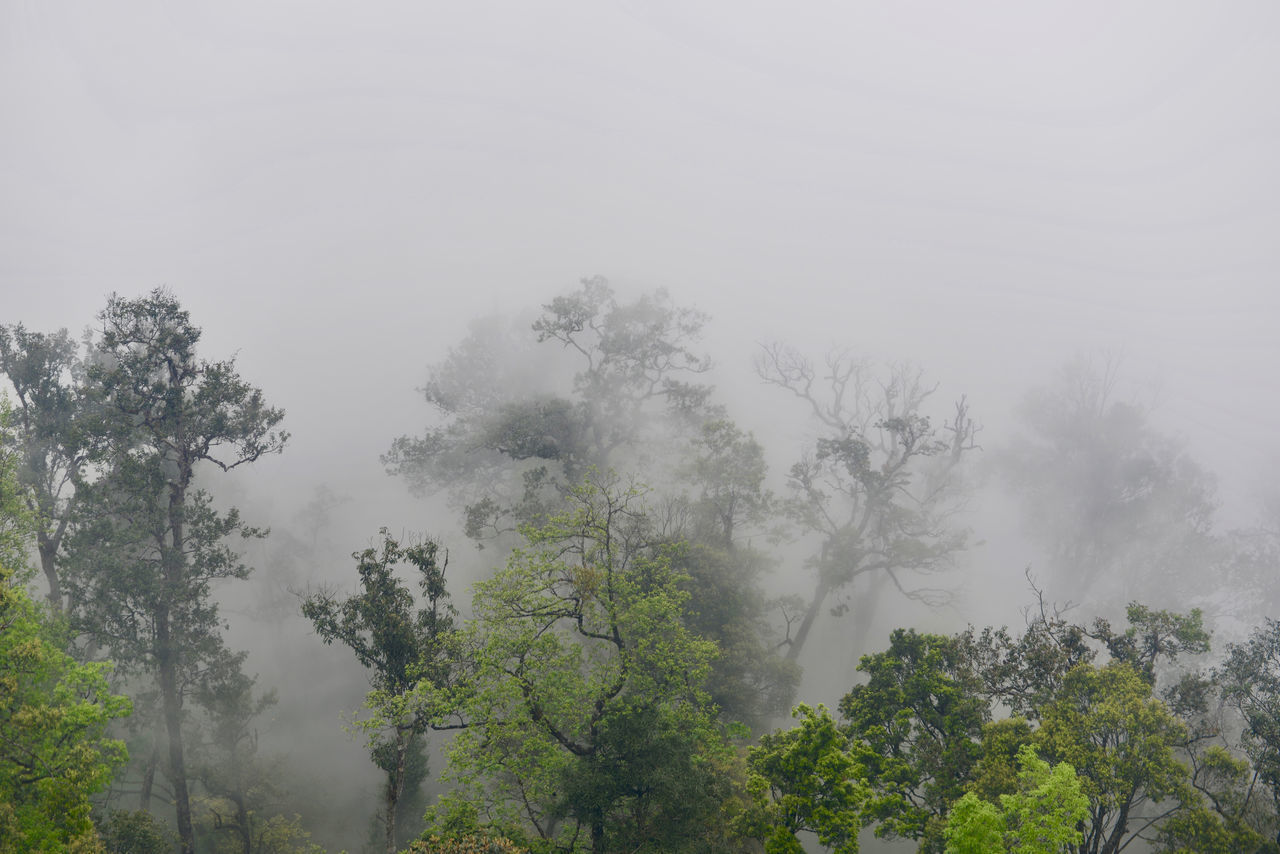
x: 878, y: 488
x: 151, y: 543
x: 1117, y: 504
x: 407, y: 647
x: 242, y: 790
x: 55, y: 427
x: 508, y: 449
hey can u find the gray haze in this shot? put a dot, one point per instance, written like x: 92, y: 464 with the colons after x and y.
x: 335, y: 190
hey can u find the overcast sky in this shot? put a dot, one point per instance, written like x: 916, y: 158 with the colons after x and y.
x: 334, y: 189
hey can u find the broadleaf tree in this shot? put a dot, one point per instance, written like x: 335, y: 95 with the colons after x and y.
x: 588, y: 724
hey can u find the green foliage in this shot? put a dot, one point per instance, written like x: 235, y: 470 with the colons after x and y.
x: 749, y: 681
x: 915, y: 726
x: 135, y: 832
x: 588, y: 722
x: 54, y: 714
x: 1108, y: 726
x: 1041, y: 817
x: 804, y: 779
x: 470, y: 844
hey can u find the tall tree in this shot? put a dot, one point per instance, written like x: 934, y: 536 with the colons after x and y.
x: 878, y: 488
x: 152, y: 543
x: 619, y: 390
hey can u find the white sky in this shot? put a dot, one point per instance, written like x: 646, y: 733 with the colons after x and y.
x: 334, y: 189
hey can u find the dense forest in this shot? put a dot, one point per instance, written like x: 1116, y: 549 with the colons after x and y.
x: 663, y: 586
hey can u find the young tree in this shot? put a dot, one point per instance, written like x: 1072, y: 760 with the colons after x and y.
x: 588, y: 723
x: 408, y: 649
x: 152, y: 543
x: 878, y: 488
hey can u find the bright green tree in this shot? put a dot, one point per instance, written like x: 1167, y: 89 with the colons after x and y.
x: 1042, y: 817
x: 805, y: 780
x: 914, y: 726
x: 1122, y: 741
x: 589, y: 726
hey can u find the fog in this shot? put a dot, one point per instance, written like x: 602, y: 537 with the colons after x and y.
x: 336, y: 191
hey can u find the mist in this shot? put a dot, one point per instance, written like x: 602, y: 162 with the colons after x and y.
x: 992, y: 196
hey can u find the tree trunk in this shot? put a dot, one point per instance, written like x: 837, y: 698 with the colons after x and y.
x: 149, y: 778
x: 171, y: 702
x: 48, y: 563
x: 806, y: 623
x: 395, y: 785
x: 173, y: 564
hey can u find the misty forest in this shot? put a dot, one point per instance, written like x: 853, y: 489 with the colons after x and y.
x: 639, y: 428
x: 652, y: 592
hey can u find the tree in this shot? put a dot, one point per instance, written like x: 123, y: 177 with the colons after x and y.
x: 914, y: 727
x: 1042, y: 817
x: 878, y: 488
x: 55, y: 427
x: 54, y: 712
x: 588, y: 725
x: 152, y: 543
x: 1250, y: 684
x: 1121, y: 740
x: 727, y: 502
x: 407, y: 649
x: 510, y: 444
x: 617, y: 390
x: 805, y: 780
x: 1110, y: 497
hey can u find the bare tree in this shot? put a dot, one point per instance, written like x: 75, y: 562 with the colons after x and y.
x: 879, y: 487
